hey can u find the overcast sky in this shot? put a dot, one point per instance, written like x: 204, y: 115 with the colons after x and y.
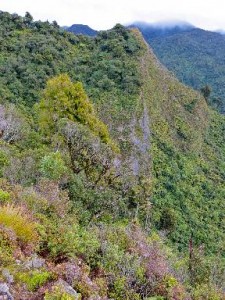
x: 103, y: 14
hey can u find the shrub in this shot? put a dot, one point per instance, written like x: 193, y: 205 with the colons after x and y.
x: 34, y: 279
x: 52, y: 166
x: 54, y: 199
x: 4, y: 161
x: 4, y: 196
x: 57, y: 294
x: 18, y: 220
x: 168, y: 219
x: 7, y: 245
x: 204, y: 291
x: 65, y: 240
x: 119, y: 289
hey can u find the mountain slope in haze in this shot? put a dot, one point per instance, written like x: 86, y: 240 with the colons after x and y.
x: 129, y: 210
x: 82, y: 29
x: 195, y: 56
x: 151, y: 31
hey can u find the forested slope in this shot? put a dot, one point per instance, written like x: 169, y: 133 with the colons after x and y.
x: 194, y: 55
x: 112, y: 171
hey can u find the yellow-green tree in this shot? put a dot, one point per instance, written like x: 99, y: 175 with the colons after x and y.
x: 64, y: 99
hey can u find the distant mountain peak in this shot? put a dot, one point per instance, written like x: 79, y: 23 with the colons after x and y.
x: 82, y: 29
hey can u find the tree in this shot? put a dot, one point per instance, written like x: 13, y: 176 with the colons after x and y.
x: 64, y: 99
x: 206, y: 91
x: 87, y: 152
x: 55, y: 24
x: 28, y: 19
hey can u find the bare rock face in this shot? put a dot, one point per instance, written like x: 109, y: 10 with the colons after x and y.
x: 4, y: 292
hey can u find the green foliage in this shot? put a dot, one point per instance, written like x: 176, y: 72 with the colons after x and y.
x: 48, y: 51
x: 4, y: 196
x: 119, y: 289
x: 16, y: 219
x: 190, y: 54
x: 34, y: 279
x: 199, y: 268
x: 87, y: 152
x: 4, y: 161
x: 83, y: 207
x: 64, y: 99
x: 187, y: 161
x: 35, y: 55
x: 72, y: 240
x: 168, y: 219
x: 52, y: 166
x: 7, y: 246
x: 57, y: 294
x: 206, y: 292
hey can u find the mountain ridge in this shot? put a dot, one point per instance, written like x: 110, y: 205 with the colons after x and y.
x: 191, y: 54
x: 82, y: 29
x: 179, y: 45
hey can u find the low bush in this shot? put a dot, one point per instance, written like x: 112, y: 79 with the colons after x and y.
x: 34, y: 279
x: 16, y: 219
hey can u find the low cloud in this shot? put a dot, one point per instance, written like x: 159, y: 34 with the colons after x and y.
x: 101, y: 14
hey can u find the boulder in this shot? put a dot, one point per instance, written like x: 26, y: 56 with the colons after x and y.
x: 34, y: 263
x: 66, y: 288
x: 4, y: 292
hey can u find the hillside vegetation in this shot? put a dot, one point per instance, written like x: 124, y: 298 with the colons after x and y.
x: 111, y: 171
x: 194, y: 55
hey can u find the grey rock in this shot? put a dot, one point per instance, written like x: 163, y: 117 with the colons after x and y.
x: 6, y: 274
x: 4, y: 288
x: 4, y: 291
x: 64, y: 286
x: 35, y: 263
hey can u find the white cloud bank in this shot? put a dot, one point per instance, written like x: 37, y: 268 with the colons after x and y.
x: 103, y: 14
